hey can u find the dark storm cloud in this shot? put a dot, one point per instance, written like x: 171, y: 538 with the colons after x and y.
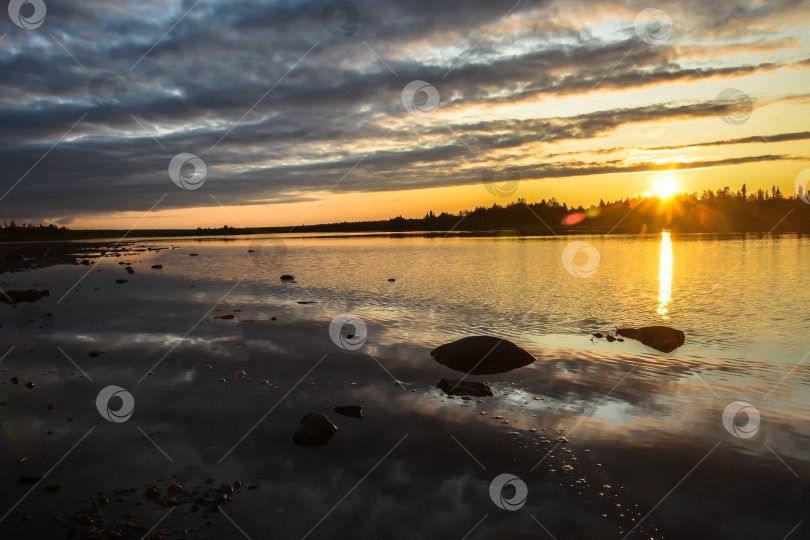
x: 779, y: 137
x: 193, y: 70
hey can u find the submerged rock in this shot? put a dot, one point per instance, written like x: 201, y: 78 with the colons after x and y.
x: 316, y: 430
x: 28, y: 480
x: 355, y: 411
x: 660, y: 338
x: 30, y: 296
x: 482, y: 355
x: 454, y: 387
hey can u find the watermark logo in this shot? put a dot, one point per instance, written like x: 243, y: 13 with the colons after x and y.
x: 425, y: 106
x: 734, y: 106
x: 580, y: 259
x: 653, y: 26
x: 34, y: 324
x: 267, y: 253
x: 181, y: 176
x: 107, y: 90
x: 348, y: 332
x: 751, y: 426
x: 501, y: 183
x: 517, y: 500
x: 35, y: 14
x: 801, y: 184
x: 340, y: 18
x: 121, y: 414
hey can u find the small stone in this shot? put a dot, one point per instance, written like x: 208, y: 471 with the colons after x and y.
x: 316, y: 429
x: 354, y: 411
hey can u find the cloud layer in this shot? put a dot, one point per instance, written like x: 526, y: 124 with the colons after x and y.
x: 282, y: 109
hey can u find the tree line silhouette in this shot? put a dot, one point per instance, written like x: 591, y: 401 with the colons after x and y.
x: 709, y: 212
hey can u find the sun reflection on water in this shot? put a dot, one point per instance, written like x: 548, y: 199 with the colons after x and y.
x: 665, y: 276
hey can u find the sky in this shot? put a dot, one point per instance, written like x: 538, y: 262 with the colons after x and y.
x: 204, y: 113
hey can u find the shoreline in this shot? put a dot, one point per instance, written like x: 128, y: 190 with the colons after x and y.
x: 26, y: 255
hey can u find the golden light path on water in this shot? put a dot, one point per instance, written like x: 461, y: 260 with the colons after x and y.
x: 665, y: 275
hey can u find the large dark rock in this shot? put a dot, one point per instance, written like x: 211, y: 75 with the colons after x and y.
x: 482, y: 355
x: 660, y: 338
x: 15, y: 297
x: 316, y: 430
x: 454, y: 387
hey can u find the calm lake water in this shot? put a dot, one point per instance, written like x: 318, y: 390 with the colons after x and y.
x: 647, y: 452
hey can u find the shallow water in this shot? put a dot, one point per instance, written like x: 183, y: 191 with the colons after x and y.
x: 419, y: 464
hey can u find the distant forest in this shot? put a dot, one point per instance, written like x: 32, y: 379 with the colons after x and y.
x: 710, y: 212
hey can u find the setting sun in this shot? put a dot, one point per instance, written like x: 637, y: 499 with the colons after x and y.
x: 666, y: 187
